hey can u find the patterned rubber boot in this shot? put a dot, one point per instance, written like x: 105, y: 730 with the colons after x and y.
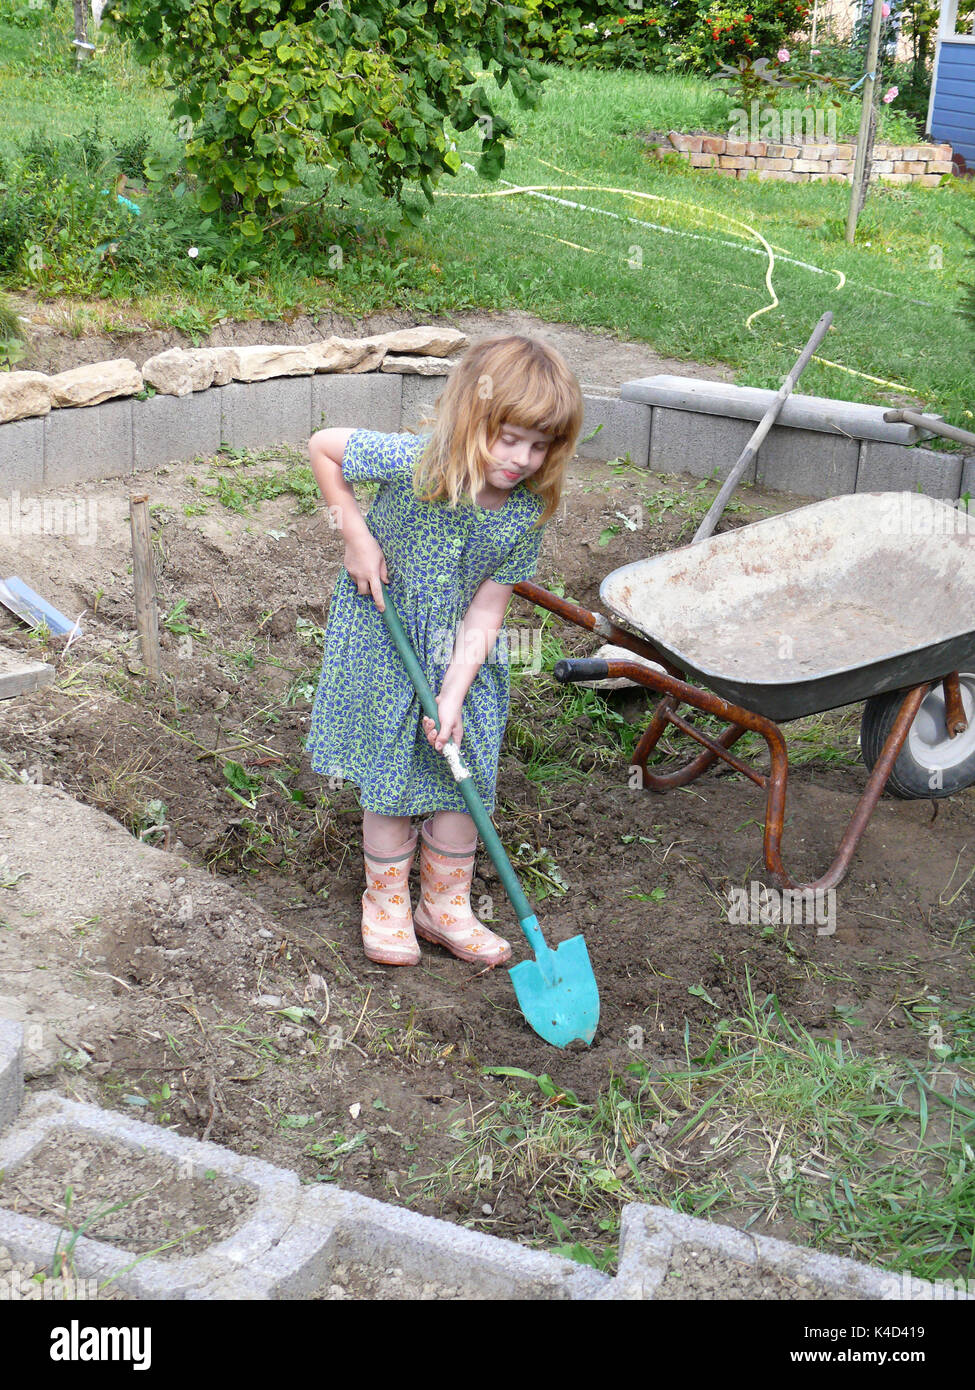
x: 387, y: 917
x: 443, y: 914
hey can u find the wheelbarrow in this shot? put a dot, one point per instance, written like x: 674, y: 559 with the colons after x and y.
x: 868, y: 597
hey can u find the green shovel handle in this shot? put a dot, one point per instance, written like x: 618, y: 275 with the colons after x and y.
x: 465, y: 782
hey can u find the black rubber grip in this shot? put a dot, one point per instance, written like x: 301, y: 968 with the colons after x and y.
x: 580, y: 668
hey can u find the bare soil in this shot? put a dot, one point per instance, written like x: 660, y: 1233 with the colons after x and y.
x: 154, y: 928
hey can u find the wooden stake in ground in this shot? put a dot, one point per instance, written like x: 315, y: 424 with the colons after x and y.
x: 82, y: 21
x: 144, y: 583
x: 861, y: 168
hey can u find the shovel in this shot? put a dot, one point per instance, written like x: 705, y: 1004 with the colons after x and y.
x: 557, y: 990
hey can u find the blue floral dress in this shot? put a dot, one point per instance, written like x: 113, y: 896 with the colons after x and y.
x: 366, y: 719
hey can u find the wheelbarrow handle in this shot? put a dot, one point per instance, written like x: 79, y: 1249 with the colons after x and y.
x: 580, y: 668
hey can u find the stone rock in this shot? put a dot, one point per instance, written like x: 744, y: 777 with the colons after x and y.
x: 172, y: 373
x: 97, y: 382
x: 23, y: 394
x: 338, y: 354
x: 225, y: 362
x: 373, y: 359
x: 427, y: 339
x: 263, y: 361
x: 420, y: 366
x: 179, y: 371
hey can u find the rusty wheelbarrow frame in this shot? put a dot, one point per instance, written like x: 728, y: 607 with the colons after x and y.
x: 675, y: 690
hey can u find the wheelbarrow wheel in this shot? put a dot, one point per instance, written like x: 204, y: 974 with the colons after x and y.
x: 930, y: 764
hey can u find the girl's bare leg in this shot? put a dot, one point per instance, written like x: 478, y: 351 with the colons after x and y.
x: 454, y: 828
x: 385, y: 834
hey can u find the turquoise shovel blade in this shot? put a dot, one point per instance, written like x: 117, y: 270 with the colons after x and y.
x: 557, y: 990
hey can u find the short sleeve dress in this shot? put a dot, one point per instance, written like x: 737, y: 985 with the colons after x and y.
x: 366, y: 719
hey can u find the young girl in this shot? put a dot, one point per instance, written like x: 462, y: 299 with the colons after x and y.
x: 456, y: 523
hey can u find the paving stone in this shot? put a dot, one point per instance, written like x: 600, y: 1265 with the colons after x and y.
x: 174, y: 428
x: 367, y: 400
x: 848, y: 418
x: 684, y: 441
x: 893, y: 468
x: 625, y: 430
x: 21, y: 455
x: 86, y: 442
x: 259, y: 414
x: 807, y: 462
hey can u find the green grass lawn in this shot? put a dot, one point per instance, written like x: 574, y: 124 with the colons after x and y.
x: 699, y: 267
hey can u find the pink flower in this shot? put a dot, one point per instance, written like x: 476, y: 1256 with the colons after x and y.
x: 890, y: 94
x: 783, y: 55
x: 814, y: 50
x: 884, y: 11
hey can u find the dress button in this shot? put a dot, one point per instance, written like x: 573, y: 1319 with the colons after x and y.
x: 441, y: 579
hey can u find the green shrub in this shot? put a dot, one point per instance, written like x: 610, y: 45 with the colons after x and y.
x: 655, y: 34
x: 263, y: 89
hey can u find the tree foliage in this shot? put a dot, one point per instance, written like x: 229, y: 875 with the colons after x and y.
x: 263, y: 87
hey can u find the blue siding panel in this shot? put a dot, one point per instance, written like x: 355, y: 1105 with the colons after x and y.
x: 953, y: 110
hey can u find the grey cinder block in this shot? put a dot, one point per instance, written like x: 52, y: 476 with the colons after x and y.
x: 11, y: 1070
x: 892, y: 468
x: 682, y: 441
x: 358, y: 400
x: 82, y: 443
x: 807, y: 462
x: 734, y: 1264
x: 419, y: 399
x: 174, y: 428
x: 21, y: 455
x: 967, y: 483
x: 625, y: 430
x: 259, y: 414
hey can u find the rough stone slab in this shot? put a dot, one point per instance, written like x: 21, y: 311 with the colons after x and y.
x: 892, y: 468
x: 807, y: 462
x: 750, y: 403
x: 94, y: 383
x: 419, y: 399
x: 21, y: 455
x: 17, y: 676
x: 682, y: 441
x: 625, y: 430
x: 24, y: 394
x: 258, y: 414
x: 265, y: 361
x: 357, y: 401
x: 168, y: 428
x: 11, y: 1071
x: 88, y: 442
x: 425, y: 338
x: 651, y: 1237
x: 418, y: 366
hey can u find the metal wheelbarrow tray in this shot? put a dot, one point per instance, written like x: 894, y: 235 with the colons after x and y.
x: 861, y: 597
x: 820, y: 607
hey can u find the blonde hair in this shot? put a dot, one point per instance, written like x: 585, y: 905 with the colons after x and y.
x: 505, y: 380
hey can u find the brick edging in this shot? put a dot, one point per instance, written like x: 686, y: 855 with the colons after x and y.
x: 807, y: 161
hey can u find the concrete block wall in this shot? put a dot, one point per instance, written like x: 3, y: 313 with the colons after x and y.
x: 819, y: 447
